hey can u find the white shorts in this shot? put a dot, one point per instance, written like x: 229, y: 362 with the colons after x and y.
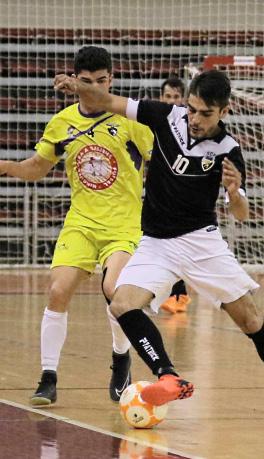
x: 201, y: 258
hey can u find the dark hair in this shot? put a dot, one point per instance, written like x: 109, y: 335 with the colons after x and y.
x: 212, y: 86
x: 92, y: 58
x: 174, y: 82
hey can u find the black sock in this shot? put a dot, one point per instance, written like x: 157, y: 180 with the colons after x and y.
x: 146, y: 339
x: 258, y: 340
x: 178, y: 289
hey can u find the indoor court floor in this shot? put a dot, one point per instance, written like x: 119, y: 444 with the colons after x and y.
x: 223, y: 420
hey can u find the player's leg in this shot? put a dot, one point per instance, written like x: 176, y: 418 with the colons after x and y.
x: 250, y: 320
x: 178, y: 299
x: 74, y: 258
x: 143, y: 334
x: 147, y: 275
x: 121, y: 361
x: 64, y: 281
x: 111, y: 271
x: 214, y: 272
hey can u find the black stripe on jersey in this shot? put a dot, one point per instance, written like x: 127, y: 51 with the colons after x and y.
x: 60, y: 147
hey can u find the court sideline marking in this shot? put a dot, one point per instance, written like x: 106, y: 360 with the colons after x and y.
x: 96, y: 429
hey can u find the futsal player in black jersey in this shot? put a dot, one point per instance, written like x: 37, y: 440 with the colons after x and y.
x: 172, y: 92
x: 192, y: 155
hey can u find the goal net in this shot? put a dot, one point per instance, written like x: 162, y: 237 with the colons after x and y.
x: 245, y: 122
x: 148, y: 40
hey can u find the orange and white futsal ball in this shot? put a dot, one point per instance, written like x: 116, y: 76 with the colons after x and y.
x: 138, y: 413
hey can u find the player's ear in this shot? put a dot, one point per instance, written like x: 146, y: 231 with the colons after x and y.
x: 224, y: 111
x: 111, y: 79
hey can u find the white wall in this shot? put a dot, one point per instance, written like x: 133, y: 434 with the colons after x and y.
x: 158, y: 14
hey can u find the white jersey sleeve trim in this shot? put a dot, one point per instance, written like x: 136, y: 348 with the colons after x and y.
x: 132, y: 108
x: 241, y: 192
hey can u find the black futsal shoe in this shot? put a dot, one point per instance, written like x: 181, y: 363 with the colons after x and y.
x: 46, y: 393
x: 121, y: 376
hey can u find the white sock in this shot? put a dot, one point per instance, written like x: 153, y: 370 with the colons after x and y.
x: 121, y: 344
x: 53, y: 334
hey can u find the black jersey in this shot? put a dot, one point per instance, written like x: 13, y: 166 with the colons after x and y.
x: 184, y: 175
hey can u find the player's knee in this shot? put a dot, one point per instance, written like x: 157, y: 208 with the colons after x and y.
x: 252, y: 323
x: 245, y: 314
x: 58, y: 297
x: 119, y: 306
x: 252, y: 319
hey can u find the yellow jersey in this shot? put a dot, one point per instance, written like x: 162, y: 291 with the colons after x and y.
x: 104, y: 157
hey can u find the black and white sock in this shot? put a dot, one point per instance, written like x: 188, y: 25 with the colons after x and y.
x: 146, y: 339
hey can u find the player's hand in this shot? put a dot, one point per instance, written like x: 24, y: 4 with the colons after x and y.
x: 66, y: 84
x: 231, y: 177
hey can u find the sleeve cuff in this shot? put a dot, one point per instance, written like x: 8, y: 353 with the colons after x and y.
x: 241, y: 192
x: 132, y: 108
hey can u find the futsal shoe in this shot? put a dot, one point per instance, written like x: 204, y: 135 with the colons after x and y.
x: 169, y: 387
x: 46, y: 393
x: 173, y: 305
x: 121, y: 376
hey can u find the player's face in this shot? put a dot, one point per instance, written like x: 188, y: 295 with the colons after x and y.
x: 100, y: 78
x: 203, y: 120
x: 171, y: 95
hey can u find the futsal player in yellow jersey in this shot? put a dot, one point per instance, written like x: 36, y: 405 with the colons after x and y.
x: 104, y: 158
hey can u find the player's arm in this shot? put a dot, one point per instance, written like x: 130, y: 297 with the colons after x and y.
x: 91, y: 95
x: 31, y: 169
x: 231, y: 179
